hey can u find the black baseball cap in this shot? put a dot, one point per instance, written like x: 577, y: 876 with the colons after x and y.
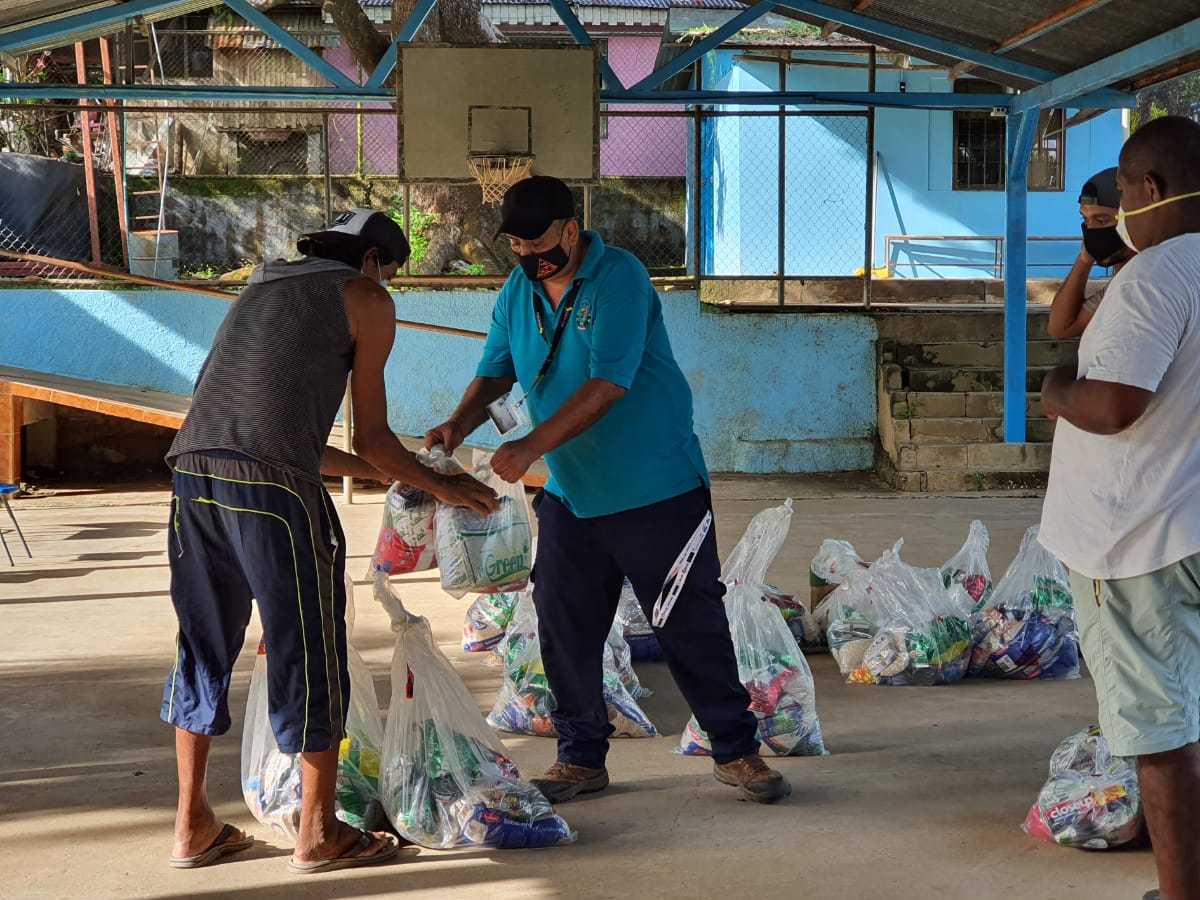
x: 1101, y: 190
x: 531, y: 206
x: 369, y: 225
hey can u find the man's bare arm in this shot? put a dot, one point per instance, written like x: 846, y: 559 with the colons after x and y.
x: 1068, y: 318
x: 337, y: 462
x: 373, y: 324
x: 1099, y: 407
x: 470, y: 413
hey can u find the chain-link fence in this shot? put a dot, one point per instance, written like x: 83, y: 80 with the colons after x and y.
x: 783, y: 194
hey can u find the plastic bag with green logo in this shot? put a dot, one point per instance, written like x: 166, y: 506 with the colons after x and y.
x: 486, y: 554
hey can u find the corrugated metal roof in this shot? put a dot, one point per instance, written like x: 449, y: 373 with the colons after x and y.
x: 227, y: 32
x: 16, y: 14
x: 982, y: 24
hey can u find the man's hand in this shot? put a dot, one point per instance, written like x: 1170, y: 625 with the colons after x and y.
x: 450, y: 434
x: 513, y: 460
x: 465, y: 491
x: 1053, y: 387
x: 1084, y: 256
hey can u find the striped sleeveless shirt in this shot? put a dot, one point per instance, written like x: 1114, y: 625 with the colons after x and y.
x: 276, y: 375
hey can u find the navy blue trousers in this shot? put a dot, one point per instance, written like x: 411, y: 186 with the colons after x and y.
x: 581, y: 564
x: 243, y: 530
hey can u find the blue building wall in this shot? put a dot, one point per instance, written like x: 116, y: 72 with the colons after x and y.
x: 824, y: 208
x: 774, y: 393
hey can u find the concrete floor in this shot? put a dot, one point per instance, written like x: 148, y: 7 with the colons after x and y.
x: 923, y: 795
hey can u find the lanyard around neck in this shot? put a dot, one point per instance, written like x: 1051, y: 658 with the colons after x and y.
x: 559, y: 329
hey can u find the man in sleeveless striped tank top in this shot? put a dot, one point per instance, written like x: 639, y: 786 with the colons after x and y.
x: 251, y: 519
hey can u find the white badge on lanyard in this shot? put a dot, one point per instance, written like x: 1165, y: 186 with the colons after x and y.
x: 509, y: 413
x: 678, y: 573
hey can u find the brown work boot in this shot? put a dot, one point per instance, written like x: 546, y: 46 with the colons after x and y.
x: 754, y: 779
x: 563, y: 782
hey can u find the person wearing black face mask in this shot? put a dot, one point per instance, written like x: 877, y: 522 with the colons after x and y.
x: 580, y: 327
x: 1073, y: 306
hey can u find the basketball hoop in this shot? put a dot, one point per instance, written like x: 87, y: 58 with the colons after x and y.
x: 496, y: 173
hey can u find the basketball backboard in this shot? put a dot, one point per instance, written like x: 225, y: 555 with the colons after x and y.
x: 497, y: 100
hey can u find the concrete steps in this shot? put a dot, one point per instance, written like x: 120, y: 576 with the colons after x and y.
x: 941, y: 404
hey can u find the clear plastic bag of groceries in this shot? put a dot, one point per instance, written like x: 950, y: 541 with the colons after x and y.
x: 795, y: 614
x: 525, y: 703
x: 834, y: 561
x: 1091, y: 799
x: 854, y: 612
x: 1027, y: 628
x: 639, y: 634
x: 406, y: 534
x: 968, y: 568
x: 622, y: 663
x: 485, y: 554
x: 770, y: 664
x: 924, y: 635
x: 271, y: 779
x: 487, y: 620
x: 447, y: 779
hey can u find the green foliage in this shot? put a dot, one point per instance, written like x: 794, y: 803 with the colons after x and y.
x: 1176, y: 97
x: 419, y: 224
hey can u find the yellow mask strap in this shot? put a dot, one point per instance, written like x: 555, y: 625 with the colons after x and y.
x: 1137, y: 212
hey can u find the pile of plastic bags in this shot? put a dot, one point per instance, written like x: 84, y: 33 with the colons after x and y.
x: 271, y: 779
x: 968, y: 568
x: 447, y: 779
x: 487, y: 620
x: 636, y: 628
x: 1091, y: 799
x: 770, y: 663
x: 894, y: 624
x: 1026, y: 628
x: 525, y: 702
x: 485, y: 554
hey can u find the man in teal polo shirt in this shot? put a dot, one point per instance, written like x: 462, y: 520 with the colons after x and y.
x: 580, y: 327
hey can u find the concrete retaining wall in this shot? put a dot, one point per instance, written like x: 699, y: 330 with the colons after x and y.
x: 774, y: 392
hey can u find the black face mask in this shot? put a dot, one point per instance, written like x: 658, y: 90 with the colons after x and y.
x: 546, y: 263
x: 1102, y: 244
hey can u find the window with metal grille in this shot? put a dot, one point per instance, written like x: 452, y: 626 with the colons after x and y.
x: 980, y: 145
x: 978, y: 141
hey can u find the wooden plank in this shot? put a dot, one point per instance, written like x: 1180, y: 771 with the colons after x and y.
x: 115, y: 147
x: 89, y: 174
x: 830, y: 27
x: 1036, y: 30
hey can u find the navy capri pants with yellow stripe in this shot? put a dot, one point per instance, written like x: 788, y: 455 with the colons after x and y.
x: 241, y: 529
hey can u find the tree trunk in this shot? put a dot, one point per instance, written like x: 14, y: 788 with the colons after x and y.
x: 366, y: 42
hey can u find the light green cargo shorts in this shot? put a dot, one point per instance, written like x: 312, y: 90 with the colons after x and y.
x: 1141, y: 640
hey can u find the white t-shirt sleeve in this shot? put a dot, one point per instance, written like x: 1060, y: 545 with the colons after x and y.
x: 1137, y: 335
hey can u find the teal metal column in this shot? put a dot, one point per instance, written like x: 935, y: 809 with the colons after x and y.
x: 1020, y: 133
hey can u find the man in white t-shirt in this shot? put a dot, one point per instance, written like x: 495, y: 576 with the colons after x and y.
x: 1123, y: 507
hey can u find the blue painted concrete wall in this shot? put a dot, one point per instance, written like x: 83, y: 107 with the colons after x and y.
x: 826, y: 183
x: 774, y: 393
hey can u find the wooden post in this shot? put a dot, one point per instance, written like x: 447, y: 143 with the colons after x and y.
x: 11, y: 414
x: 116, y: 141
x: 89, y: 174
